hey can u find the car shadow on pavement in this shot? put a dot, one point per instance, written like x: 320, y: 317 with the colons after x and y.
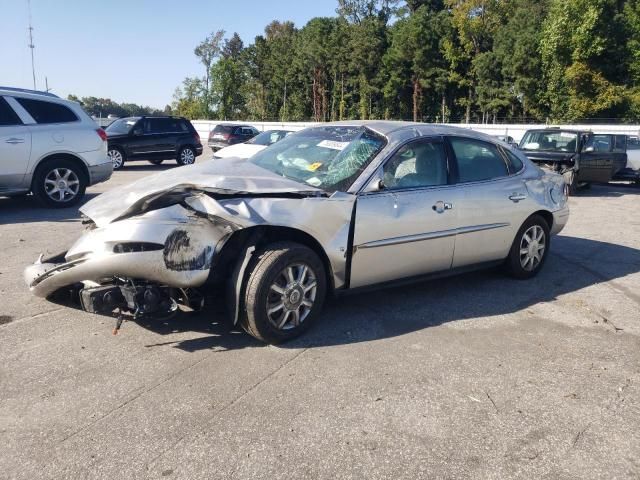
x: 26, y: 209
x: 144, y: 166
x: 574, y: 264
x: 614, y: 190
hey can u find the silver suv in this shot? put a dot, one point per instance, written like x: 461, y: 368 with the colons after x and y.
x: 50, y: 147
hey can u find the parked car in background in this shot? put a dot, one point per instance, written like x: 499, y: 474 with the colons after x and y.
x: 253, y: 145
x: 508, y: 139
x: 153, y: 138
x: 632, y: 171
x: 226, y: 134
x: 50, y: 147
x: 582, y: 157
x: 331, y: 208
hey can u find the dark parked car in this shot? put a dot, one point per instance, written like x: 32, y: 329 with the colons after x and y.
x: 154, y: 139
x: 226, y: 134
x: 582, y: 157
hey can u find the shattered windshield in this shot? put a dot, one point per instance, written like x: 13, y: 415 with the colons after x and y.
x: 550, y: 141
x: 330, y: 157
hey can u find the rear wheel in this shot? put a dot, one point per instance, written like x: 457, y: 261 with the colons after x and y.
x: 187, y: 156
x: 284, y: 292
x: 117, y: 157
x: 59, y: 183
x: 529, y: 249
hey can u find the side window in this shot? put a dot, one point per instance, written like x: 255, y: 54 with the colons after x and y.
x: 418, y: 164
x: 154, y: 125
x: 182, y: 126
x: 237, y: 131
x: 620, y: 143
x: 599, y: 143
x: 47, y: 112
x: 7, y: 116
x: 516, y: 163
x: 477, y: 160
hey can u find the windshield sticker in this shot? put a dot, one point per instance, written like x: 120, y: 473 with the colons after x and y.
x: 333, y: 144
x: 314, y: 166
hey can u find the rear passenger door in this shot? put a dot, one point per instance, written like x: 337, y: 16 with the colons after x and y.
x: 494, y: 201
x: 15, y: 148
x: 158, y: 141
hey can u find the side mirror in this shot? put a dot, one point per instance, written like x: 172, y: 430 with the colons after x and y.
x: 376, y: 185
x: 589, y: 149
x: 137, y: 132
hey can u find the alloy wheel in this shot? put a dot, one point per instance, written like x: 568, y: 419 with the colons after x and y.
x: 61, y: 185
x: 291, y: 296
x: 532, y: 247
x: 187, y: 157
x: 116, y: 158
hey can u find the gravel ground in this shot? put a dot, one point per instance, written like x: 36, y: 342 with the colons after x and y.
x: 477, y: 376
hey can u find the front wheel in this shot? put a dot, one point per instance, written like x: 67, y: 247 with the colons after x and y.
x: 529, y: 249
x: 187, y: 156
x: 284, y: 292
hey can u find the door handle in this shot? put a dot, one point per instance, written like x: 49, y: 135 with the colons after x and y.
x: 441, y: 206
x: 516, y: 197
x: 14, y: 140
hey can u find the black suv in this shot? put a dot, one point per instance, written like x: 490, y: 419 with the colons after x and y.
x: 226, y: 134
x: 154, y: 139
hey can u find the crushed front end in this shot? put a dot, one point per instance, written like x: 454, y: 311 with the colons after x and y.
x: 144, y: 264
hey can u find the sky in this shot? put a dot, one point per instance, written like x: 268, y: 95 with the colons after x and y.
x: 134, y: 51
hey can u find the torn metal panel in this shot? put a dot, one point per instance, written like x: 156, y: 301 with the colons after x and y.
x: 184, y: 252
x: 224, y: 177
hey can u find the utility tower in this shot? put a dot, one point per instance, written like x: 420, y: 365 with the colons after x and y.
x: 31, y: 46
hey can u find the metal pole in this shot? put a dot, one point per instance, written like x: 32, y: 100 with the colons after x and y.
x: 31, y: 46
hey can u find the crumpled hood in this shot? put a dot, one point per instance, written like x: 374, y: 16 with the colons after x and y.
x: 227, y: 176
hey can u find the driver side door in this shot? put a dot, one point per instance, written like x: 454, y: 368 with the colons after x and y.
x: 407, y: 226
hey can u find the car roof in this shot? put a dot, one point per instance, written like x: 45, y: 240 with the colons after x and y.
x: 22, y: 91
x: 557, y: 129
x: 387, y: 127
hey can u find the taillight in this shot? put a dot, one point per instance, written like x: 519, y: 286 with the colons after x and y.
x: 196, y: 137
x: 226, y: 136
x: 102, y: 134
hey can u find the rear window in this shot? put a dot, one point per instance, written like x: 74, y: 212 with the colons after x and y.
x: 47, y: 112
x: 223, y: 129
x: 7, y: 115
x: 477, y: 160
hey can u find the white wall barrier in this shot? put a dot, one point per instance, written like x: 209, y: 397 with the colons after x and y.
x: 514, y: 130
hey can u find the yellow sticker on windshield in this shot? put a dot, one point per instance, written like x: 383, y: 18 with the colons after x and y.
x: 314, y: 166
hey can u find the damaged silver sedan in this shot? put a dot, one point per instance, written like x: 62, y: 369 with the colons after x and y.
x: 329, y: 209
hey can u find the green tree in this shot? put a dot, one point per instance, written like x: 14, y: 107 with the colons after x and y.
x: 581, y: 47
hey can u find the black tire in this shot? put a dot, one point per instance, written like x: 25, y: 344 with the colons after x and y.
x: 155, y: 161
x: 269, y: 270
x: 117, y: 157
x: 186, y: 156
x: 47, y: 192
x: 514, y: 262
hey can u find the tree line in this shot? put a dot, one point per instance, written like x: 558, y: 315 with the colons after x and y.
x: 428, y: 60
x: 102, y: 107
